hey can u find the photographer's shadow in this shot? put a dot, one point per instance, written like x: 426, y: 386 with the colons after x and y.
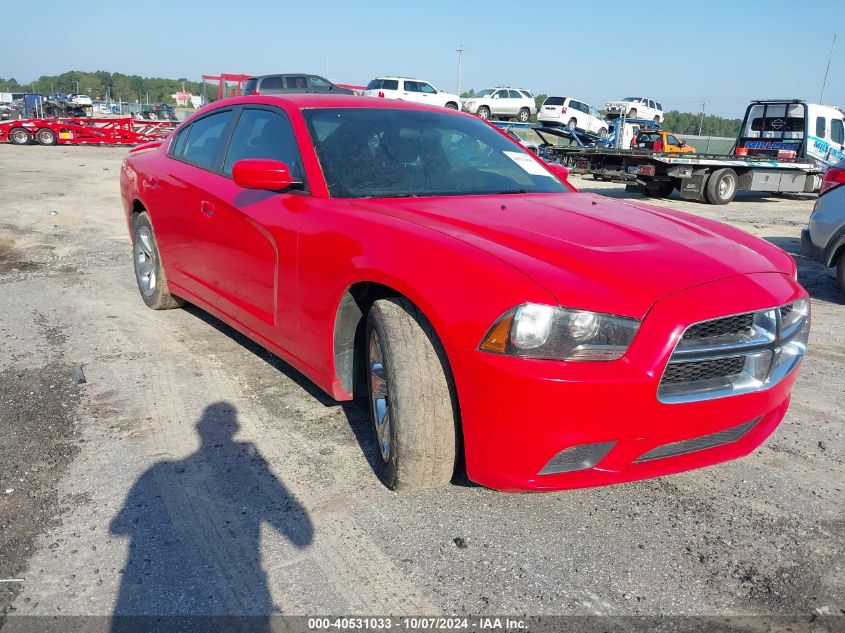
x: 194, y: 528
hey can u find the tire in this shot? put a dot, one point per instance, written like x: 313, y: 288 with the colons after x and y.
x: 45, y: 136
x: 412, y: 406
x: 483, y: 112
x: 19, y: 136
x: 452, y: 105
x: 524, y: 115
x: 603, y: 133
x: 721, y: 186
x: 572, y: 124
x: 657, y: 119
x: 149, y: 273
x: 632, y: 114
x: 840, y: 271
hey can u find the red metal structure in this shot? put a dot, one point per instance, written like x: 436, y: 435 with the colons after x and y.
x: 85, y: 131
x: 223, y: 79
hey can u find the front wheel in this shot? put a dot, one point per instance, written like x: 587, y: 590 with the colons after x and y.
x: 524, y: 115
x: 412, y: 407
x: 149, y: 273
x: 452, y: 106
x: 483, y: 112
x: 840, y: 271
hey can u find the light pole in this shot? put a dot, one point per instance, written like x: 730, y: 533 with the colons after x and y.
x: 460, y: 52
x: 827, y: 70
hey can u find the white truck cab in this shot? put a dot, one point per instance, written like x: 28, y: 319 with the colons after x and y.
x: 792, y: 128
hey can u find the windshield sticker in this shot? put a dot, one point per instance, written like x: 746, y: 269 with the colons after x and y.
x: 528, y: 164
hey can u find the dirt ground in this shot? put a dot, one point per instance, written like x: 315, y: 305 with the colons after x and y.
x: 188, y: 447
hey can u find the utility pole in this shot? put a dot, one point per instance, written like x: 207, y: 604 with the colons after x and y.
x: 460, y: 51
x: 701, y: 120
x: 827, y: 70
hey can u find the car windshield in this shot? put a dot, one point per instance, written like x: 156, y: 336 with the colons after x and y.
x: 393, y: 153
x: 484, y: 93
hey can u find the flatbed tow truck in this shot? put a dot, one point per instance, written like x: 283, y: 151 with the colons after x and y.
x: 84, y: 131
x: 784, y: 145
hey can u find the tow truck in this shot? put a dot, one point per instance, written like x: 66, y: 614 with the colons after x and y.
x: 784, y: 145
x: 84, y: 131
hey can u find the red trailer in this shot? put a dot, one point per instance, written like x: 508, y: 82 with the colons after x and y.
x: 123, y: 131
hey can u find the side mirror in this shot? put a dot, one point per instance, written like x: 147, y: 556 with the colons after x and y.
x: 262, y: 173
x: 559, y: 170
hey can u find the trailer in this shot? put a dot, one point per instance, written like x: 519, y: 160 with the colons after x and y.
x: 84, y: 131
x: 784, y: 145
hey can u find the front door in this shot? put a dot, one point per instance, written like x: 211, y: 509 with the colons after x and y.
x: 249, y: 241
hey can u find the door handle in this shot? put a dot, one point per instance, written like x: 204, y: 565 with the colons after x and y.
x: 207, y: 208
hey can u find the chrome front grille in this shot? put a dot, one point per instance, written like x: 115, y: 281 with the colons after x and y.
x: 736, y: 354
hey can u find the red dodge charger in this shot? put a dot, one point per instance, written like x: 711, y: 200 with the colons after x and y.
x: 422, y: 259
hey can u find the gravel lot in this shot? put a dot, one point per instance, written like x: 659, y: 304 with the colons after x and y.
x: 193, y: 472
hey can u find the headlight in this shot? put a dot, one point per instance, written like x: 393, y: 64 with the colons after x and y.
x: 533, y: 330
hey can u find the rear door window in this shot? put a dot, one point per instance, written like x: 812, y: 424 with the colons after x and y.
x: 206, y: 139
x: 272, y: 83
x: 263, y: 133
x: 514, y: 94
x: 412, y: 86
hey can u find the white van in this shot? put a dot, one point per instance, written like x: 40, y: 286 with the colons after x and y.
x: 793, y: 129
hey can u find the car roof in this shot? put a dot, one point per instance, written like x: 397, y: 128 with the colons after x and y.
x: 316, y: 100
x: 280, y: 75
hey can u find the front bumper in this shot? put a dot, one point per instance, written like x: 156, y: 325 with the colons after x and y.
x: 518, y: 414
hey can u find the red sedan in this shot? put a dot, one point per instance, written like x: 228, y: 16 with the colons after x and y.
x: 426, y: 261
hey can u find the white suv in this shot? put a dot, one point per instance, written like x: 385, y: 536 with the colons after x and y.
x: 636, y: 108
x: 504, y: 103
x: 574, y: 114
x: 406, y: 89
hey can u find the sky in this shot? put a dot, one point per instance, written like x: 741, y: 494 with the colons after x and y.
x: 679, y: 52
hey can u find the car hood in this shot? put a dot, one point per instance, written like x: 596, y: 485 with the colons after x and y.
x: 593, y: 252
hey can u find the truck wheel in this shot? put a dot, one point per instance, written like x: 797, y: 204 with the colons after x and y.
x: 572, y: 124
x: 19, y: 136
x: 660, y: 190
x: 452, y: 105
x: 149, y: 273
x: 721, y: 186
x: 411, y: 402
x: 524, y: 115
x: 45, y: 136
x: 840, y: 271
x: 483, y: 112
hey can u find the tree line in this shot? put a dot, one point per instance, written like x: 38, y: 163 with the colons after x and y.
x: 114, y: 86
x: 678, y: 122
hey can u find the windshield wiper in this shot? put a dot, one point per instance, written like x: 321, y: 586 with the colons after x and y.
x: 398, y: 195
x: 509, y: 191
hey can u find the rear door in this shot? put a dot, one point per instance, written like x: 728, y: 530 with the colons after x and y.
x: 180, y: 204
x: 552, y: 108
x: 272, y: 85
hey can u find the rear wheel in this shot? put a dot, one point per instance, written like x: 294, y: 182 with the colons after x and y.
x: 452, y: 105
x: 632, y: 113
x: 149, y: 273
x: 524, y: 115
x: 19, y: 136
x: 412, y: 407
x: 840, y: 271
x: 483, y: 112
x: 45, y: 136
x: 721, y: 186
x: 573, y: 123
x: 657, y: 119
x: 660, y: 189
